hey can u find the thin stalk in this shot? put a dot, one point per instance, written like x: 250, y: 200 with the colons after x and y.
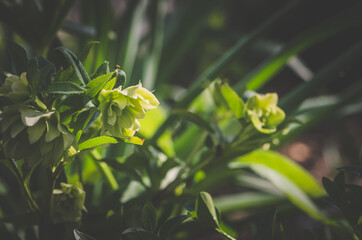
x: 29, y: 199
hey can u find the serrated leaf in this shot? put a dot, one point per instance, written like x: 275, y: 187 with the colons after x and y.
x: 97, y: 141
x: 205, y: 210
x: 64, y: 88
x: 81, y: 236
x: 194, y: 118
x: 149, y: 217
x: 167, y: 227
x: 97, y: 84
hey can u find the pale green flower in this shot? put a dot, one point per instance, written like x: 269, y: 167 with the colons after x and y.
x: 32, y: 135
x: 16, y: 88
x: 263, y: 112
x: 67, y: 203
x: 121, y: 109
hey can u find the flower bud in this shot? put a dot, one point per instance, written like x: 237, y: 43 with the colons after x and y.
x: 67, y: 203
x: 32, y: 135
x: 264, y: 113
x: 16, y: 88
x: 121, y: 109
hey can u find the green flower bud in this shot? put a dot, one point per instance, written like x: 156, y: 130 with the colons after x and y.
x: 16, y: 88
x: 67, y: 203
x: 121, y: 109
x: 264, y: 113
x: 32, y: 135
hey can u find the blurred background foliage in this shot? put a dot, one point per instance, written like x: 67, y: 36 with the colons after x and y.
x: 309, y: 52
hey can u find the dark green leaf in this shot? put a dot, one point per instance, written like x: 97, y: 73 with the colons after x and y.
x: 121, y: 167
x: 64, y: 88
x: 83, y: 120
x: 81, y: 236
x: 138, y: 233
x: 86, y: 50
x: 97, y: 141
x: 168, y: 226
x: 205, y: 210
x: 149, y: 217
x: 194, y: 118
x: 18, y: 57
x: 101, y: 70
x: 82, y: 75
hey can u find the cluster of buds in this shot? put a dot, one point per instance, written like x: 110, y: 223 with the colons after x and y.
x: 121, y: 109
x: 67, y: 203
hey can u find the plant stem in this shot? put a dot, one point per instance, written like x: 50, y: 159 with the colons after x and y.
x: 29, y: 199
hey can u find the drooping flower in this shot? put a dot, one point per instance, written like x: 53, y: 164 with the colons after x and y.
x: 33, y: 135
x: 67, y: 203
x: 16, y: 88
x: 263, y: 112
x: 121, y: 109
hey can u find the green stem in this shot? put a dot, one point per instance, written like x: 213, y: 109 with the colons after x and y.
x: 26, y: 191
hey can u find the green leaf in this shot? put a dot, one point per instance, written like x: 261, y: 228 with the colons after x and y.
x: 194, y: 118
x: 135, y: 140
x: 81, y: 236
x: 246, y: 201
x: 285, y: 167
x: 101, y: 70
x: 289, y: 177
x: 76, y: 64
x: 18, y: 57
x: 138, y: 233
x: 149, y: 217
x: 97, y: 141
x: 64, y: 88
x: 167, y: 227
x: 205, y: 210
x: 97, y: 84
x: 86, y: 50
x: 234, y: 102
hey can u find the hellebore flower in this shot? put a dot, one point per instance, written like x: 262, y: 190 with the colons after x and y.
x: 264, y: 113
x: 32, y: 135
x: 121, y: 109
x: 16, y: 88
x: 67, y: 203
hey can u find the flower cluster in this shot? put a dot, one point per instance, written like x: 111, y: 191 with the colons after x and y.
x: 16, y: 88
x: 263, y: 112
x: 26, y: 132
x: 67, y: 203
x: 121, y: 109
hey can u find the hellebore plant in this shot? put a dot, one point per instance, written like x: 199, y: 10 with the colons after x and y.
x: 43, y: 115
x: 55, y: 113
